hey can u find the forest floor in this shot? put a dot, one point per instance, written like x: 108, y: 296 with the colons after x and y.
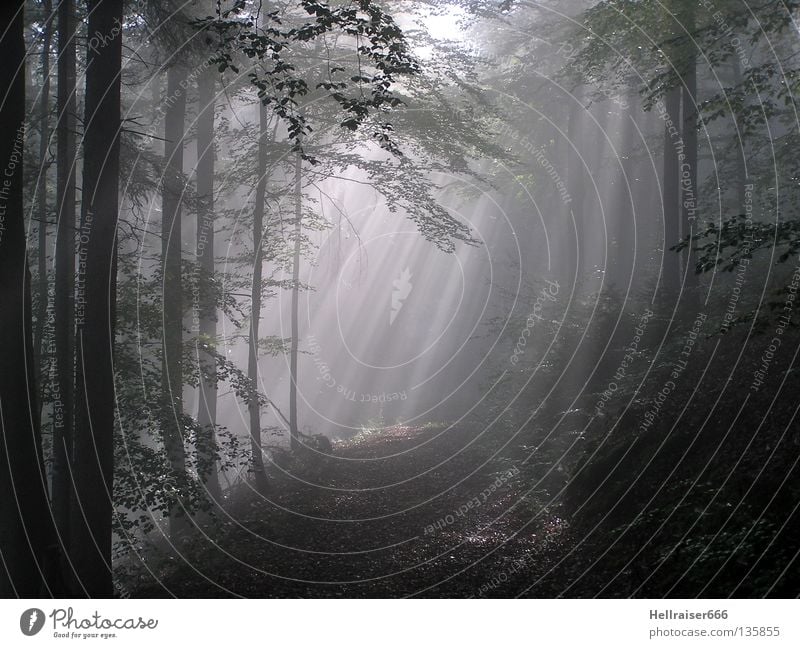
x: 401, y: 512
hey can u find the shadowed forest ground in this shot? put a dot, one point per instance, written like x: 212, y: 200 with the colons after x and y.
x: 439, y: 511
x: 352, y: 538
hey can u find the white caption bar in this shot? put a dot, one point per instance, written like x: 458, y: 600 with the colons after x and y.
x: 402, y: 624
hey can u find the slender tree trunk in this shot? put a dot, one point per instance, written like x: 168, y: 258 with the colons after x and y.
x: 95, y: 300
x: 65, y: 274
x: 172, y: 340
x: 671, y: 270
x: 741, y: 160
x: 207, y: 310
x: 595, y: 196
x: 689, y: 188
x: 626, y: 191
x: 253, y: 406
x: 41, y: 184
x: 298, y: 230
x: 26, y: 530
x: 576, y: 188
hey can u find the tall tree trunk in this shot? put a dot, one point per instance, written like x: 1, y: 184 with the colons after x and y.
x: 298, y: 230
x: 741, y: 151
x: 253, y: 406
x: 670, y: 269
x: 95, y: 299
x: 626, y: 195
x: 595, y: 197
x: 689, y: 188
x: 26, y: 530
x: 576, y: 187
x: 207, y: 311
x: 172, y: 290
x: 41, y: 184
x: 65, y: 274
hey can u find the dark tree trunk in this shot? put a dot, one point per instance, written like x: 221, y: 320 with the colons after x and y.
x: 670, y: 269
x: 576, y: 188
x: 65, y: 273
x: 207, y: 311
x: 689, y: 188
x: 741, y: 151
x: 172, y: 290
x: 595, y: 197
x: 95, y: 300
x: 253, y: 406
x: 26, y: 530
x: 41, y: 186
x: 298, y: 229
x: 626, y: 196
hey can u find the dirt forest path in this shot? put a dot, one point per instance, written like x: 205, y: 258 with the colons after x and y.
x: 402, y: 512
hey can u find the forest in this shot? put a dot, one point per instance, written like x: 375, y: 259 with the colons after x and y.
x: 399, y: 298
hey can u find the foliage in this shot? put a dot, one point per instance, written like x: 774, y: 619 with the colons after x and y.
x: 381, y: 53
